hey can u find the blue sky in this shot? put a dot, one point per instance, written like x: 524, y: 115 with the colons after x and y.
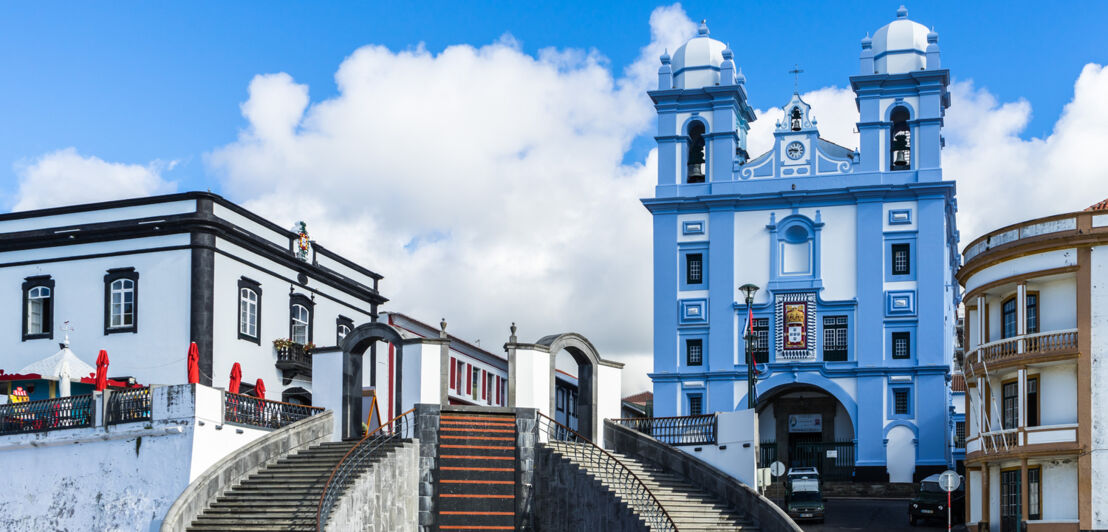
x: 489, y: 177
x: 161, y: 81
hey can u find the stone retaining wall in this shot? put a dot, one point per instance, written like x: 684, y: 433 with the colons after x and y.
x: 568, y: 499
x: 384, y: 498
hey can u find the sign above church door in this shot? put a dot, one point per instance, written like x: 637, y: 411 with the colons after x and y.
x: 805, y: 423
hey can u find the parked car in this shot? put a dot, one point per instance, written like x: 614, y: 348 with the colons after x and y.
x: 930, y: 503
x: 803, y: 496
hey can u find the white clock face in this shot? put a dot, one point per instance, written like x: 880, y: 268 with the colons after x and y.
x: 794, y: 150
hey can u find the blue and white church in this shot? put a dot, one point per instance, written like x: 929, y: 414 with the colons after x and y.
x: 854, y: 252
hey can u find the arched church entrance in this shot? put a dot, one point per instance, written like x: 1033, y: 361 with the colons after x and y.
x: 573, y: 379
x: 802, y: 425
x: 354, y: 346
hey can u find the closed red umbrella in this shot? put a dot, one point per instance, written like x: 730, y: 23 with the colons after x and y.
x: 102, y: 371
x: 259, y: 389
x: 236, y: 378
x: 194, y: 364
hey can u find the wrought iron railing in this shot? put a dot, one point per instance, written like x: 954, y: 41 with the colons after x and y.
x: 608, y: 468
x: 683, y: 430
x: 247, y: 410
x: 358, y: 458
x: 295, y: 353
x: 127, y: 406
x: 49, y: 414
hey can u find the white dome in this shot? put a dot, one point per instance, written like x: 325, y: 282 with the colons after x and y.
x: 696, y: 63
x: 900, y: 46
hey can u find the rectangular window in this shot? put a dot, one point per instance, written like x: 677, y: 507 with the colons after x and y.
x: 1010, y: 498
x: 761, y: 340
x: 121, y: 301
x: 1032, y: 401
x: 694, y: 352
x: 1010, y: 405
x: 461, y: 375
x: 696, y: 405
x: 902, y: 345
x: 834, y: 338
x: 959, y: 434
x: 694, y: 268
x: 250, y: 310
x: 560, y: 399
x: 1032, y: 313
x: 453, y: 375
x: 1034, y: 493
x: 1009, y: 319
x: 476, y: 383
x: 901, y: 404
x: 901, y: 259
x: 38, y: 307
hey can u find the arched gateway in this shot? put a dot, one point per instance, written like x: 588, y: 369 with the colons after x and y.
x: 805, y: 425
x: 353, y: 348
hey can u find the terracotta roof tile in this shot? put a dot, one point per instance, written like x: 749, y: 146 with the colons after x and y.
x: 640, y: 398
x: 957, y: 383
x: 1102, y: 206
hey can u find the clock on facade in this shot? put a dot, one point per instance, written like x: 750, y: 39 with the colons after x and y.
x: 794, y: 150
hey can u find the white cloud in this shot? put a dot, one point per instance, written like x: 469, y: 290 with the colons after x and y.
x: 1003, y: 179
x: 832, y: 107
x: 484, y: 183
x: 65, y: 177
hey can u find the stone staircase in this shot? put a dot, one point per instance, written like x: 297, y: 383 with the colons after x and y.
x: 282, y: 496
x: 476, y: 474
x: 691, y: 508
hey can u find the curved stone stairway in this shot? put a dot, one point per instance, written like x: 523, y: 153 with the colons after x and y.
x: 691, y: 508
x: 281, y: 496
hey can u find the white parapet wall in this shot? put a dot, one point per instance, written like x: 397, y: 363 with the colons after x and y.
x: 735, y: 451
x: 529, y: 379
x: 116, y: 477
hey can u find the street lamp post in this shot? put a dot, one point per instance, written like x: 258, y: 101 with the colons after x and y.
x: 749, y: 290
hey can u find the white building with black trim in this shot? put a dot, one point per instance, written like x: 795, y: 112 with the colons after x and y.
x: 142, y: 278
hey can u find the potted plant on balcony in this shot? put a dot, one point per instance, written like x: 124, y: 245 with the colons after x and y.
x: 282, y: 346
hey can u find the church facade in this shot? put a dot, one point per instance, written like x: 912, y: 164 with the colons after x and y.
x: 854, y: 252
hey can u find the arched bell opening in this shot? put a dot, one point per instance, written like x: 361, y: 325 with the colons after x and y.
x: 901, y: 140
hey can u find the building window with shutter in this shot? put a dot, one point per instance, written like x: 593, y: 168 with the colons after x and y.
x: 902, y: 345
x: 121, y: 301
x: 959, y: 434
x: 901, y: 402
x: 38, y: 307
x: 834, y: 338
x: 250, y: 310
x: 760, y: 346
x: 902, y: 259
x: 696, y: 404
x: 694, y: 352
x: 694, y: 268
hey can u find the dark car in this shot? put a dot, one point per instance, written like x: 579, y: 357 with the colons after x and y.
x: 803, y: 497
x: 930, y: 503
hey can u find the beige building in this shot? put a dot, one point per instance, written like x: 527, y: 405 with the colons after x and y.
x: 1036, y: 334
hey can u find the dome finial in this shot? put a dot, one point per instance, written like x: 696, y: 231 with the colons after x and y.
x: 902, y: 12
x: 867, y: 42
x: 703, y: 29
x: 933, y: 36
x: 727, y: 53
x: 665, y: 59
x: 741, y: 78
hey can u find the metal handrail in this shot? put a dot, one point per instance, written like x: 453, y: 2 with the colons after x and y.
x: 676, y: 430
x: 265, y: 413
x: 399, y: 427
x: 628, y: 485
x: 70, y: 412
x: 126, y: 406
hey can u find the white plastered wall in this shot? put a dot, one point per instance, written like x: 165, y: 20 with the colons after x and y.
x: 531, y: 372
x: 1098, y: 331
x: 608, y: 401
x: 1058, y: 394
x: 1059, y: 491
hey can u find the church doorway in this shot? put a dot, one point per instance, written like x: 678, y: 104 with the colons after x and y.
x: 802, y: 425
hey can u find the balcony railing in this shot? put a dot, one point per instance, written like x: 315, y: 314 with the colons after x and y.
x: 1018, y: 347
x: 684, y: 430
x: 247, y: 410
x: 127, y: 406
x: 49, y: 414
x: 1031, y: 228
x: 1017, y: 439
x: 294, y: 354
